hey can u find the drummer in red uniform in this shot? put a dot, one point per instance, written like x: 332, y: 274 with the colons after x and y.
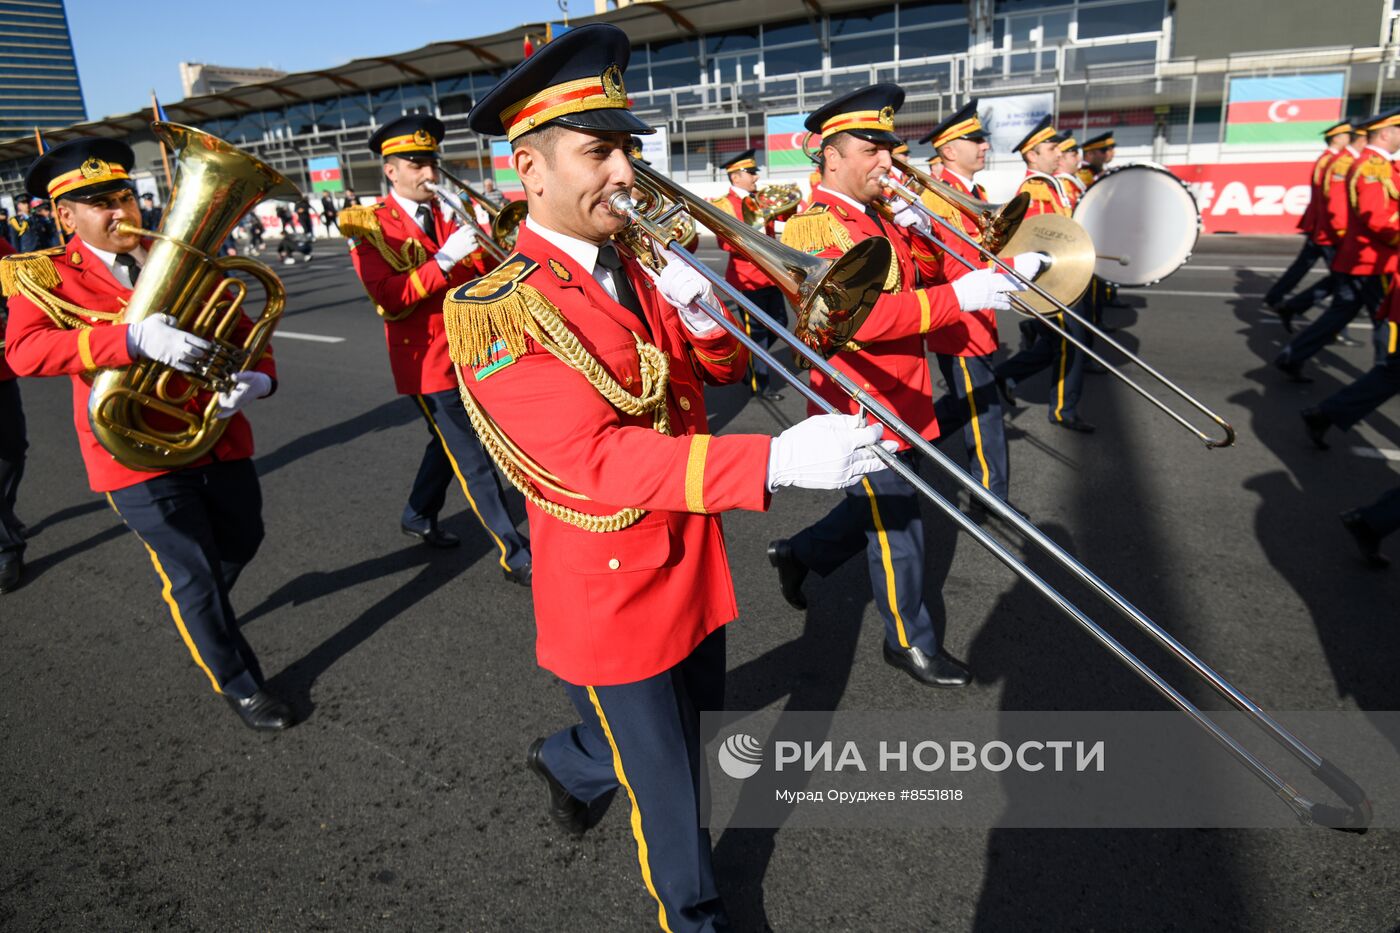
x: 586, y: 378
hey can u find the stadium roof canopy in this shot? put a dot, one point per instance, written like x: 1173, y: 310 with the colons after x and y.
x: 643, y: 22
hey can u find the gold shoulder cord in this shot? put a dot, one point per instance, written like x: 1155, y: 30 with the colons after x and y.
x: 33, y: 276
x: 363, y: 224
x: 543, y: 323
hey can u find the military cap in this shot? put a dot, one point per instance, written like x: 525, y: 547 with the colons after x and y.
x: 1041, y: 132
x: 965, y: 124
x: 1101, y: 141
x: 1382, y: 120
x: 634, y: 149
x: 1335, y: 128
x: 741, y: 161
x: 415, y: 136
x: 574, y: 81
x: 81, y: 168
x: 867, y: 113
x: 1066, y: 142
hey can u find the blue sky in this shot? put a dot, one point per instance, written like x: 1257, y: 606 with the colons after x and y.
x: 121, y: 58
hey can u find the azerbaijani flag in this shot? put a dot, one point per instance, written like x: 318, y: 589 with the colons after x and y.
x: 500, y: 165
x: 1283, y: 110
x: 325, y: 173
x: 783, y: 139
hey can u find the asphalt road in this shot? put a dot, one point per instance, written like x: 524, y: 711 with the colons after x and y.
x: 134, y: 800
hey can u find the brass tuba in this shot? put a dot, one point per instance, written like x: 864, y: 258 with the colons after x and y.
x: 215, y: 184
x: 777, y: 201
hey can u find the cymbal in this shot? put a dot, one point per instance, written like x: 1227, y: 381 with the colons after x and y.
x: 1071, y: 255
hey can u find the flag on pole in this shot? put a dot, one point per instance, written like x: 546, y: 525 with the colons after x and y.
x: 783, y: 141
x: 157, y: 109
x: 39, y: 143
x: 1283, y: 110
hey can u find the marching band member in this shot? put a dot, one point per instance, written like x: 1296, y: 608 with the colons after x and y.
x: 1319, y: 240
x: 1368, y: 249
x: 1070, y: 185
x: 1048, y: 348
x: 409, y: 255
x: 966, y: 346
x: 1096, y: 153
x: 740, y: 272
x: 586, y: 376
x: 887, y: 358
x: 200, y: 524
x: 13, y: 444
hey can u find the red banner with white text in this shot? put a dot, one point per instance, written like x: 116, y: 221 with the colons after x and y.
x: 1248, y: 197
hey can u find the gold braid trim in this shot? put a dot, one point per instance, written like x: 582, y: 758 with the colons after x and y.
x: 1373, y: 169
x: 361, y: 222
x: 34, y: 276
x: 816, y: 230
x: 523, y: 311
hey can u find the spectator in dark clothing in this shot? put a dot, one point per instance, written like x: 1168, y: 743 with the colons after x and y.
x: 150, y: 214
x: 328, y: 213
x: 304, y: 217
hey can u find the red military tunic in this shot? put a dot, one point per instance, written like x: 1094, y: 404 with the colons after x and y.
x: 891, y: 363
x: 975, y: 333
x: 394, y: 260
x: 37, y: 345
x: 1334, y: 189
x: 1369, y: 247
x: 741, y: 272
x: 1071, y: 189
x: 1046, y: 196
x: 618, y: 606
x: 1313, y: 223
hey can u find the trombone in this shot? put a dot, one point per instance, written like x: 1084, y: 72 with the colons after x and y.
x: 499, y: 241
x: 653, y: 229
x: 1000, y: 228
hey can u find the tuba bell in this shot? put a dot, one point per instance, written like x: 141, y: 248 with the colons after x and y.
x: 140, y: 413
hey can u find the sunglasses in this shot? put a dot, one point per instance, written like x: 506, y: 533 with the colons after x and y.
x: 749, y: 171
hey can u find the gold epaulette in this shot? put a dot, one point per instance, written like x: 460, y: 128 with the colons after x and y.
x: 359, y: 221
x: 489, y: 318
x: 361, y: 224
x: 816, y: 230
x: 23, y: 271
x: 1085, y: 176
x: 943, y: 208
x: 723, y: 204
x: 1375, y: 168
x: 1038, y: 189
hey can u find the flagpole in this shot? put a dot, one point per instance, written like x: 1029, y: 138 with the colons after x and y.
x: 164, y: 156
x: 57, y: 224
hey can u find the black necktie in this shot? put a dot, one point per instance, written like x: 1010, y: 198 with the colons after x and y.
x: 133, y: 271
x: 610, y: 260
x: 875, y: 216
x: 425, y: 220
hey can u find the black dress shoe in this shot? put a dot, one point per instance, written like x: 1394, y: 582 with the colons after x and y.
x: 432, y: 536
x: 1294, y: 371
x: 522, y: 577
x: 1007, y: 388
x: 791, y: 572
x: 1076, y: 424
x: 1367, y: 540
x: 1316, y: 424
x: 263, y: 711
x: 564, y: 808
x: 11, y: 570
x: 940, y: 670
x: 771, y: 395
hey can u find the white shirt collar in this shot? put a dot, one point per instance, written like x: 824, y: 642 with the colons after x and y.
x: 739, y: 191
x: 968, y: 183
x: 411, y: 207
x: 580, y: 251
x: 110, y: 259
x: 1389, y: 156
x: 845, y: 197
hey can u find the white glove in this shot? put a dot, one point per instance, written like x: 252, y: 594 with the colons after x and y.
x: 1030, y: 264
x: 907, y: 216
x: 460, y: 245
x: 247, y: 387
x: 825, y: 452
x: 986, y: 288
x: 157, y: 338
x: 684, y: 288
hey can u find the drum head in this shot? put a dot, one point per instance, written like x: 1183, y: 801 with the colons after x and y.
x: 1143, y: 221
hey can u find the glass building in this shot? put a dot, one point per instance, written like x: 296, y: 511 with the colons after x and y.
x: 38, y: 77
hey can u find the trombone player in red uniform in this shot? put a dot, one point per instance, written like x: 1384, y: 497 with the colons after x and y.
x: 585, y: 376
x: 408, y: 255
x: 880, y: 516
x: 200, y: 524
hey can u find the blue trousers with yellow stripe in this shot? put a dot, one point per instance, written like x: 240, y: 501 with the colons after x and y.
x: 971, y: 381
x: 454, y: 450
x: 1050, y: 350
x: 201, y: 526
x: 644, y: 738
x: 1379, y: 385
x: 13, y: 443
x: 1353, y: 293
x: 879, y: 515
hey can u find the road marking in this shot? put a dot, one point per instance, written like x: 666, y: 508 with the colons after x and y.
x: 314, y: 338
x: 1376, y: 453
x: 1191, y: 265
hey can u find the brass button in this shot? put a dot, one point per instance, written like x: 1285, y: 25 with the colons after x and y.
x: 867, y: 385
x: 405, y: 340
x: 685, y: 403
x: 627, y: 380
x: 614, y: 563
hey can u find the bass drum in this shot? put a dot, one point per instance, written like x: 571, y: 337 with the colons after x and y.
x: 1143, y: 222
